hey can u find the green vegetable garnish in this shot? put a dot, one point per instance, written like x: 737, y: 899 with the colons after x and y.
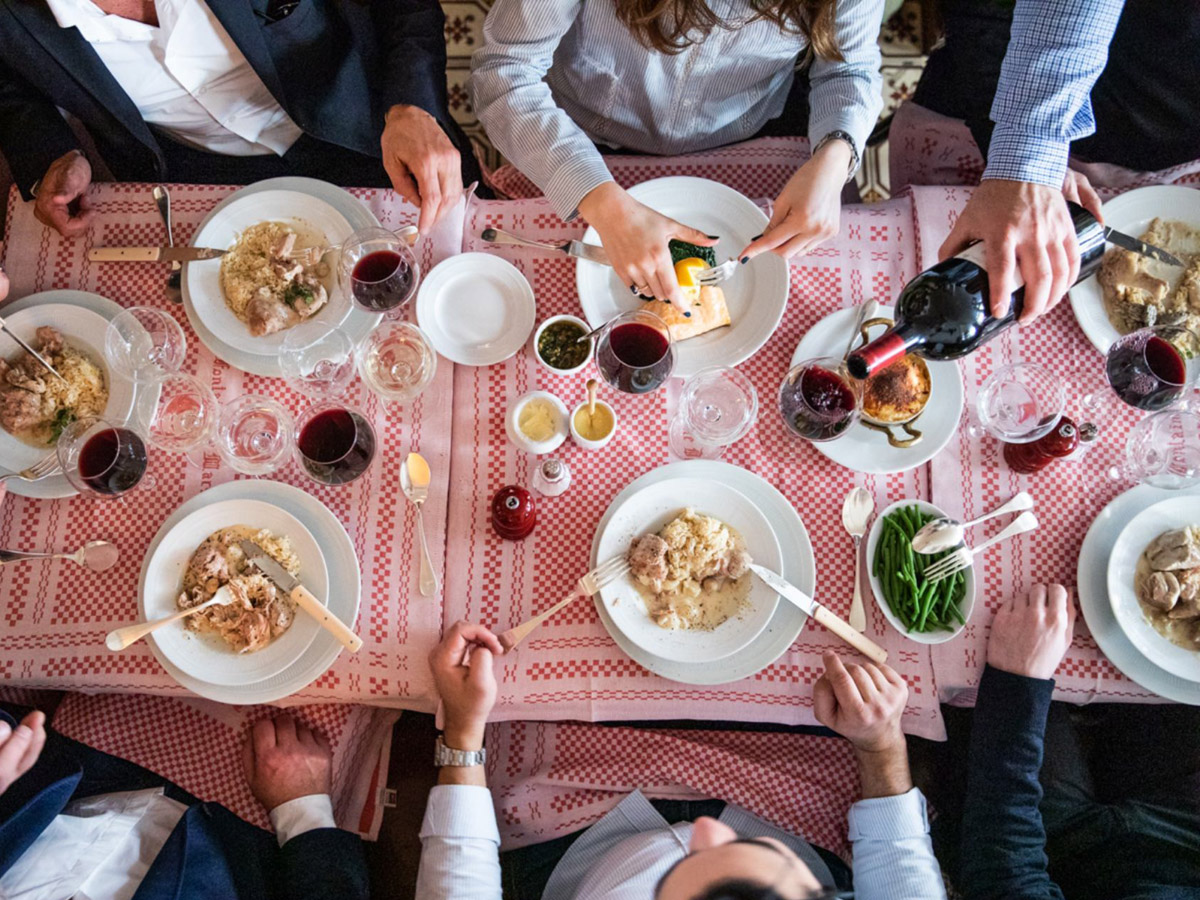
x: 296, y: 292
x: 559, y: 345
x: 921, y: 606
x: 683, y: 250
x: 62, y: 419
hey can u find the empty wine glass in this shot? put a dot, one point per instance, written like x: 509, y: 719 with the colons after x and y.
x: 1154, y: 367
x: 378, y: 269
x: 397, y: 361
x: 144, y: 344
x: 317, y: 361
x: 1163, y: 450
x: 254, y: 435
x: 184, y: 419
x: 1020, y: 403
x: 102, y: 459
x: 717, y: 408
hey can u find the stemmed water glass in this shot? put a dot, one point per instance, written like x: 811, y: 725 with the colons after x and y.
x: 717, y: 408
x: 184, y: 418
x: 635, y: 353
x: 1163, y: 450
x: 317, y: 360
x: 254, y: 435
x: 144, y: 344
x: 396, y: 361
x: 378, y: 269
x: 1020, y: 403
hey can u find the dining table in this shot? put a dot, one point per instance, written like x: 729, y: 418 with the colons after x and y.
x: 571, y: 670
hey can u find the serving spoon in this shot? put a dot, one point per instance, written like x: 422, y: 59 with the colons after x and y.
x: 94, y: 555
x: 945, y: 533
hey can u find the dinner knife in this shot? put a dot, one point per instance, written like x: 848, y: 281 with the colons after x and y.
x: 840, y: 627
x: 578, y: 249
x: 24, y: 346
x: 1128, y: 242
x: 153, y: 254
x: 302, y: 596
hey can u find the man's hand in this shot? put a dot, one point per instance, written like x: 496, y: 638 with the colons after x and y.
x: 808, y: 211
x: 462, y: 671
x: 635, y: 238
x: 1024, y: 227
x: 1031, y: 634
x: 20, y: 747
x: 284, y: 760
x: 424, y: 166
x: 1078, y: 189
x: 861, y: 703
x: 66, y: 181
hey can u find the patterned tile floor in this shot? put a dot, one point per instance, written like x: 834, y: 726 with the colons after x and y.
x: 900, y: 40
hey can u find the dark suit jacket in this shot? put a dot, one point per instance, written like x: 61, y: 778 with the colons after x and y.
x: 210, y: 854
x: 335, y: 66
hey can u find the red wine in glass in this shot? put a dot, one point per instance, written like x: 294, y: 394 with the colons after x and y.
x: 817, y: 404
x: 1146, y: 370
x: 112, y: 461
x: 336, y: 445
x: 635, y: 357
x: 382, y: 280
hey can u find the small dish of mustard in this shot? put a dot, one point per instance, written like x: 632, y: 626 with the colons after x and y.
x: 591, y: 429
x: 557, y: 346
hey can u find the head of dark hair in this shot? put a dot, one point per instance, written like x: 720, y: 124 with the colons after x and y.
x: 740, y: 889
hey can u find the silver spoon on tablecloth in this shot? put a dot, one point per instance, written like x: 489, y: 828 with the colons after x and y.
x: 94, y: 555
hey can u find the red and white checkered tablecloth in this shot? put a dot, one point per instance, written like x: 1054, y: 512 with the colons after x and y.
x: 55, y: 615
x: 549, y: 780
x: 571, y: 669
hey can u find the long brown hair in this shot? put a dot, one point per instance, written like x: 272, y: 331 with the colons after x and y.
x: 664, y: 25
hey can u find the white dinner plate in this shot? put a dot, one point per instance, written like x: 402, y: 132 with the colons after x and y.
x: 1165, y: 515
x: 476, y: 309
x: 205, y: 655
x: 968, y: 602
x: 757, y: 294
x: 145, y: 396
x: 1092, y: 584
x: 343, y: 600
x: 798, y: 567
x: 649, y: 510
x: 863, y: 449
x: 82, y: 329
x: 1131, y: 213
x: 357, y: 323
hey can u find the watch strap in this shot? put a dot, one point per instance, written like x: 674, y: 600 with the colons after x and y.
x: 448, y: 756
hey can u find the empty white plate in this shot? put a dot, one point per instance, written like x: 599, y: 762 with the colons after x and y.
x: 476, y: 309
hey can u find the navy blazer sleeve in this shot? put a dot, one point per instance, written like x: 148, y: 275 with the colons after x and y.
x: 324, y: 864
x: 412, y: 50
x: 1003, y: 838
x: 33, y: 132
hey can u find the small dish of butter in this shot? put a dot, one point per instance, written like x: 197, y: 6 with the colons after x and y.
x: 537, y: 422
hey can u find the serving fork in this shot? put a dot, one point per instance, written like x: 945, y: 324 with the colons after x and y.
x: 43, y: 468
x: 591, y: 583
x: 960, y: 559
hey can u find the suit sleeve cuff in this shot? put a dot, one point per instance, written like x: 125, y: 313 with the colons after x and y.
x: 1015, y: 155
x: 462, y: 811
x: 889, y: 818
x: 303, y: 814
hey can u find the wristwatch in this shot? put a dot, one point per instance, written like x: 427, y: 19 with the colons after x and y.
x: 840, y: 136
x: 448, y: 756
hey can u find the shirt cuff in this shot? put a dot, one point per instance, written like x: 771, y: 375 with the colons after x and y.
x: 460, y: 811
x: 889, y: 818
x: 1015, y: 155
x: 571, y: 183
x: 818, y: 129
x: 303, y: 814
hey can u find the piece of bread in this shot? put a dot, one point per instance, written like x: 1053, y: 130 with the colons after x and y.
x: 707, y: 307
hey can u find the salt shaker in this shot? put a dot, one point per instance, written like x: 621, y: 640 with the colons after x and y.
x: 551, y: 477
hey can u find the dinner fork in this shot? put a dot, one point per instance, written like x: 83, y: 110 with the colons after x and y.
x: 43, y: 468
x: 591, y: 583
x: 120, y: 638
x: 960, y: 559
x: 717, y: 274
x: 310, y: 256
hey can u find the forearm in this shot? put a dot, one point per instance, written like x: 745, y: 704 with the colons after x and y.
x: 1056, y: 51
x: 33, y: 132
x: 460, y: 845
x: 412, y: 47
x: 1003, y: 836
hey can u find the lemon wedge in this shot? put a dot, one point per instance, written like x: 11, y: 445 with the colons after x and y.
x: 686, y: 269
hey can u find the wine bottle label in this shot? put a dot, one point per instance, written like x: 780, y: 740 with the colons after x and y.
x: 978, y: 255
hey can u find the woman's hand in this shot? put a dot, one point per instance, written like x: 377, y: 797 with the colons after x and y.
x: 809, y: 209
x: 635, y: 238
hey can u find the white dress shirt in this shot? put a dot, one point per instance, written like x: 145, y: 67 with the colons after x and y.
x: 186, y: 76
x: 460, y: 843
x: 101, y: 847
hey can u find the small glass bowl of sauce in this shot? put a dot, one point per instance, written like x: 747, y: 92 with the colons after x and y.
x: 557, y: 344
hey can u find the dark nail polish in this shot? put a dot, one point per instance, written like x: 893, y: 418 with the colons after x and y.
x: 756, y: 237
x: 687, y: 315
x: 633, y: 288
x: 714, y: 237
x: 745, y: 259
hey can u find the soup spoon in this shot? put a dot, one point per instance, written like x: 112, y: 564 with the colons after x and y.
x: 94, y: 555
x: 944, y: 533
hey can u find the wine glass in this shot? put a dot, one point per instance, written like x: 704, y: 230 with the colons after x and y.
x: 1020, y: 403
x: 1153, y: 367
x: 379, y: 270
x: 317, y: 360
x: 334, y: 443
x: 717, y: 408
x: 254, y: 434
x: 184, y: 418
x: 100, y: 458
x: 635, y: 353
x: 1163, y: 450
x: 397, y: 361
x: 144, y: 344
x: 819, y: 400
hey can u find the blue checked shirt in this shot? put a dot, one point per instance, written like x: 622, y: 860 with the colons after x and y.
x: 555, y: 77
x: 1057, y: 50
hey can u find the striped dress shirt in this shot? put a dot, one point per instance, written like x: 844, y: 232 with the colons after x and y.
x: 556, y: 77
x: 1056, y: 51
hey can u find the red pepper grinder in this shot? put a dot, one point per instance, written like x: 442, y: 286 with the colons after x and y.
x: 1062, y: 441
x: 513, y: 513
